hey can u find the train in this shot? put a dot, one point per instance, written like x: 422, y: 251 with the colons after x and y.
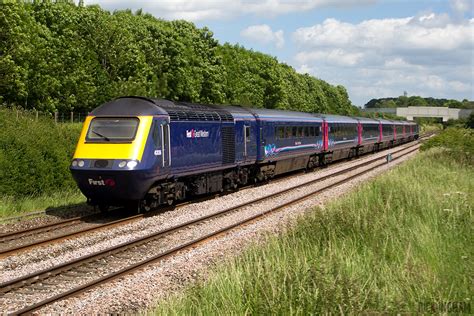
x: 146, y: 152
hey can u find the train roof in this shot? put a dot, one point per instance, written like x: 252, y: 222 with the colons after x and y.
x: 385, y: 121
x: 282, y: 115
x: 186, y: 111
x: 178, y: 111
x: 127, y: 106
x: 367, y: 120
x: 330, y: 118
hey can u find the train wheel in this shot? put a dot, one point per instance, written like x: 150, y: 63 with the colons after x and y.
x: 144, y: 206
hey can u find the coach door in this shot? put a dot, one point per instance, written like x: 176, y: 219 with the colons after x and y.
x: 166, y: 144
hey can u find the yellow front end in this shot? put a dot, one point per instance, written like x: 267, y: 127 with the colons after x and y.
x: 130, y: 150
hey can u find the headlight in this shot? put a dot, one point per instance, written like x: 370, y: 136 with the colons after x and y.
x: 132, y: 164
x: 74, y: 163
x: 80, y: 163
x: 122, y: 164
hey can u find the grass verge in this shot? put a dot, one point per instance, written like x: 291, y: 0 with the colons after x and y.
x: 401, y: 243
x: 12, y: 206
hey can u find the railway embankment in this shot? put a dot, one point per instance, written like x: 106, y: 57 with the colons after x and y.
x: 400, y: 243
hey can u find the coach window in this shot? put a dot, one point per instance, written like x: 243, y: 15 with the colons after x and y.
x: 281, y: 132
x: 287, y: 132
x: 335, y: 131
x: 399, y: 129
x: 317, y: 129
x: 300, y: 131
x: 306, y: 131
x: 294, y: 131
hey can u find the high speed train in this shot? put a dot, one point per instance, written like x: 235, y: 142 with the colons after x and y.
x: 150, y: 152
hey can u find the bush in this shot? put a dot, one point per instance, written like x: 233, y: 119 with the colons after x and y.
x: 458, y: 142
x: 35, y: 155
x: 470, y: 121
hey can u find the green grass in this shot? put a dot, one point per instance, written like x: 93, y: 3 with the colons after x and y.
x: 426, y: 128
x: 397, y: 243
x: 12, y: 206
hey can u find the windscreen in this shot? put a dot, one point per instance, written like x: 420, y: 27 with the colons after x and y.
x: 112, y: 129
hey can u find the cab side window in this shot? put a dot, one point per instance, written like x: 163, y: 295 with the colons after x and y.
x: 156, y: 135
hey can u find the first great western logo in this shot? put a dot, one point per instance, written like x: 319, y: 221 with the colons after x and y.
x: 197, y: 133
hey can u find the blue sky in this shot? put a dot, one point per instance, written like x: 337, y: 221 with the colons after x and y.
x: 375, y: 48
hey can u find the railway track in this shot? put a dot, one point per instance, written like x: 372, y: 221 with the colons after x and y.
x: 70, y: 279
x: 15, y: 242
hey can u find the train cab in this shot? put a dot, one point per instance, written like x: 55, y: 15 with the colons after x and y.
x: 123, y: 148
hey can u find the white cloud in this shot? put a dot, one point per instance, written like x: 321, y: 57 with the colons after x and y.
x: 461, y: 6
x: 411, y: 33
x: 264, y: 34
x: 429, y: 54
x: 336, y: 57
x: 198, y: 10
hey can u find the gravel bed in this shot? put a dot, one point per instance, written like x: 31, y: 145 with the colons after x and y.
x: 157, y: 281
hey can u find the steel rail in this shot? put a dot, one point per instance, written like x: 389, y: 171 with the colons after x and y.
x: 40, y: 228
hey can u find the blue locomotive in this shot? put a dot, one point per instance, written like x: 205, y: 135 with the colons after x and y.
x: 150, y: 152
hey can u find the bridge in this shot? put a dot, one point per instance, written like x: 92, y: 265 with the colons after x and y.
x: 425, y: 111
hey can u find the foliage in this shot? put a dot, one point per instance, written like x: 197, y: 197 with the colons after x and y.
x: 62, y: 56
x: 387, y: 116
x: 470, y: 121
x: 398, y: 245
x: 35, y: 155
x: 403, y: 101
x: 458, y: 142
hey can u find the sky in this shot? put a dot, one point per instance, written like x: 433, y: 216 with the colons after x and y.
x: 374, y: 48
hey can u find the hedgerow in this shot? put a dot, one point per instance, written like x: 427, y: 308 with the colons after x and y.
x: 35, y: 155
x: 458, y: 143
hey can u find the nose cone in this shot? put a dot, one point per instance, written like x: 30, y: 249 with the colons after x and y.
x: 112, y: 187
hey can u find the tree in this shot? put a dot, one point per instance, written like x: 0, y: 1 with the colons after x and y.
x: 58, y: 56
